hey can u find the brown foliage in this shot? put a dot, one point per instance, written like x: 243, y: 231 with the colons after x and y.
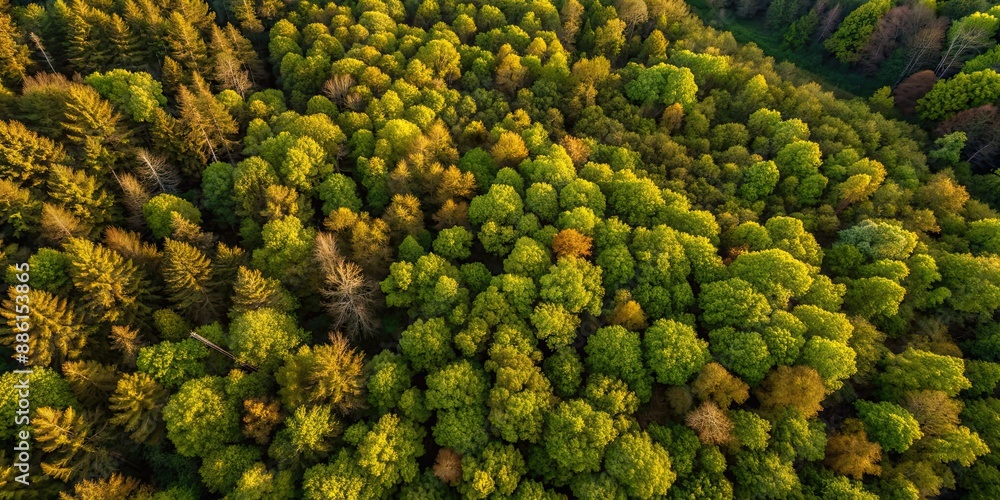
x: 569, y: 242
x: 337, y: 86
x: 351, y: 298
x: 798, y: 387
x: 58, y: 224
x: 710, y: 423
x: 907, y: 93
x: 672, y: 117
x: 260, y: 417
x: 127, y: 341
x: 906, y: 26
x: 577, y: 149
x: 716, y: 384
x: 849, y: 452
x: 129, y: 244
x: 982, y: 130
x: 452, y: 213
x: 936, y: 412
x: 448, y: 466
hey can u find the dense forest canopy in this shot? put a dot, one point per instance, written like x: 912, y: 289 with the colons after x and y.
x: 528, y: 249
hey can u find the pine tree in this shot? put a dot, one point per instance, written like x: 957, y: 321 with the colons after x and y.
x: 191, y: 233
x: 134, y: 196
x: 187, y: 274
x: 206, y: 122
x: 129, y: 245
x: 137, y: 403
x: 127, y: 341
x: 148, y: 27
x: 114, y: 486
x: 157, y: 174
x: 55, y: 334
x: 91, y: 381
x: 91, y: 122
x: 226, y: 264
x: 82, y: 195
x: 168, y: 134
x: 254, y: 291
x: 86, y: 43
x: 57, y: 224
x: 19, y: 210
x: 323, y: 374
x: 15, y: 57
x: 72, y: 449
x: 185, y: 44
x: 28, y: 157
x: 109, y: 286
x: 124, y: 42
x: 237, y: 65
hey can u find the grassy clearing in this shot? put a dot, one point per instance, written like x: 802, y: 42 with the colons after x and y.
x: 822, y: 68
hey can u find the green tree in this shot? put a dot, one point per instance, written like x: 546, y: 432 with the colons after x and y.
x: 222, y: 470
x: 134, y: 93
x: 575, y: 284
x: 137, y: 404
x: 640, y: 465
x: 617, y: 352
x: 388, y: 452
x: 554, y: 324
x: 497, y: 471
x: 427, y: 344
x: 200, y: 418
x: 915, y: 369
x: 855, y: 30
x: 262, y: 337
x: 576, y: 435
x: 890, y: 425
x: 159, y: 213
x: 664, y: 84
x: 520, y: 397
x: 674, y: 352
x: 173, y: 363
x: 324, y: 374
x: 733, y: 302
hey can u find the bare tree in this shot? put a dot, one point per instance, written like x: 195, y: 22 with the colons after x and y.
x: 58, y: 224
x: 336, y: 88
x: 912, y: 89
x: 156, y: 174
x: 967, y: 35
x: 229, y: 71
x: 982, y: 130
x: 351, y: 298
x: 135, y: 196
x: 41, y: 48
x: 633, y: 12
x: 710, y: 423
x: 830, y: 22
x: 922, y: 36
